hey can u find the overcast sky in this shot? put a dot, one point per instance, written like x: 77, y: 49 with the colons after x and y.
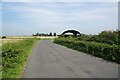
x: 26, y: 18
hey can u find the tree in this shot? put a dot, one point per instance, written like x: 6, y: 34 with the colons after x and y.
x: 54, y: 34
x: 50, y: 34
x: 37, y: 34
x: 3, y: 37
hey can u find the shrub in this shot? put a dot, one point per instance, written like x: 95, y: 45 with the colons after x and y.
x: 3, y: 37
x: 14, y: 55
x: 105, y: 51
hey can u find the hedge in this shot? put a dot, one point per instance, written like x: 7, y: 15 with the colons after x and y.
x: 105, y: 51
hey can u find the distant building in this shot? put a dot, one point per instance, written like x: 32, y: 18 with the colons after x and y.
x: 74, y: 32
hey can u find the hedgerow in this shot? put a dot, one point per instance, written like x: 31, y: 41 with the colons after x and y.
x: 105, y: 51
x: 14, y: 56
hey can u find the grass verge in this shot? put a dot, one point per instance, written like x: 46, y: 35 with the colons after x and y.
x: 14, y: 57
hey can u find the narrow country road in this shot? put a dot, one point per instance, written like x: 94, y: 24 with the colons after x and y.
x: 50, y: 60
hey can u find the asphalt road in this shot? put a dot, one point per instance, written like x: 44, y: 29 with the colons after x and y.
x: 49, y: 60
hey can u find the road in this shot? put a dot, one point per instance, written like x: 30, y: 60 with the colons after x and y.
x: 49, y: 60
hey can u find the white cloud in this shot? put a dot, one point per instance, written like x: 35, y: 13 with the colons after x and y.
x: 53, y: 15
x: 45, y: 17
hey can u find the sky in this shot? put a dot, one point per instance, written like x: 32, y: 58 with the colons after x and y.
x: 27, y: 18
x: 60, y: 0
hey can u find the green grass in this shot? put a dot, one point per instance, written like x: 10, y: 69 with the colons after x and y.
x: 0, y: 59
x: 14, y: 57
x: 0, y: 71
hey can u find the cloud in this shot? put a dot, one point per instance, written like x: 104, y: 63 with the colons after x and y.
x: 60, y: 0
x: 55, y: 16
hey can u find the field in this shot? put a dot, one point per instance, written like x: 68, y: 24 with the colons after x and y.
x: 23, y: 37
x: 9, y: 39
x: 3, y: 41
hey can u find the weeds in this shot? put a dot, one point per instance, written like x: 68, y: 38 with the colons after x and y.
x: 14, y: 56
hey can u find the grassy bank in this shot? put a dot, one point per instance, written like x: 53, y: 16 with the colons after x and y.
x: 102, y: 50
x: 14, y: 56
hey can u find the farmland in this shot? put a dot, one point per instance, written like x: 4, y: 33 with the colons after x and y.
x: 24, y: 37
x: 10, y: 39
x: 3, y: 41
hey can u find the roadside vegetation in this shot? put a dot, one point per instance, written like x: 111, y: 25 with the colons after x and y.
x: 14, y: 56
x: 104, y: 45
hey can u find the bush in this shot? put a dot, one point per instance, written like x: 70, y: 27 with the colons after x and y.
x: 105, y: 51
x: 3, y: 37
x: 14, y: 55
